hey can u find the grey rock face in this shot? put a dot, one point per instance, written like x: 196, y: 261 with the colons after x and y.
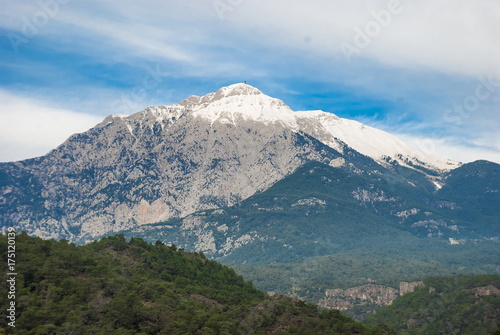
x: 155, y: 165
x: 405, y: 287
x: 369, y: 294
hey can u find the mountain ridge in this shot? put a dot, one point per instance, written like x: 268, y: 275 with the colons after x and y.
x: 320, y: 202
x: 231, y: 102
x: 170, y: 161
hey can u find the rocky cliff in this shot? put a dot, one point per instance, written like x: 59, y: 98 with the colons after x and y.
x: 370, y: 294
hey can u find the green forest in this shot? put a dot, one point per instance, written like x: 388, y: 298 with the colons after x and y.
x: 115, y: 286
x: 446, y: 305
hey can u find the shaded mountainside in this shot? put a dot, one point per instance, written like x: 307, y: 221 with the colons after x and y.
x: 321, y: 210
x: 119, y: 287
x: 324, y: 228
x: 452, y: 305
x: 473, y: 192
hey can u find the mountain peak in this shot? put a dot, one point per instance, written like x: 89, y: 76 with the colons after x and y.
x: 242, y: 102
x: 236, y: 89
x: 240, y: 89
x: 237, y: 101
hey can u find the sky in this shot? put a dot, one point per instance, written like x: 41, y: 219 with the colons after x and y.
x: 426, y: 71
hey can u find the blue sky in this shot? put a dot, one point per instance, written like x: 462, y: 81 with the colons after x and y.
x: 426, y: 71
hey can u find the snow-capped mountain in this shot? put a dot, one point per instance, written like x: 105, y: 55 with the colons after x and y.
x: 247, y: 102
x: 204, y: 152
x: 240, y: 101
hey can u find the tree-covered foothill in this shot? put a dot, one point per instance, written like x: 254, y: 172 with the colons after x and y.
x: 446, y: 305
x: 326, y: 228
x: 115, y: 286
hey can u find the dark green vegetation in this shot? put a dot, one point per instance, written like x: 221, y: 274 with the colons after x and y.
x: 475, y: 188
x: 450, y: 305
x: 309, y: 279
x: 119, y: 287
x: 324, y: 227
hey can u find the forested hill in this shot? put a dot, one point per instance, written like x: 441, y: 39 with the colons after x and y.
x: 122, y: 287
x: 446, y: 305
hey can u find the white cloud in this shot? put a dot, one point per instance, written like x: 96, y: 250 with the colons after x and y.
x: 111, y: 29
x: 482, y: 149
x: 30, y: 128
x: 451, y: 36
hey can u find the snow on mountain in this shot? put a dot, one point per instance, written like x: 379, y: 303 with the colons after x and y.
x: 244, y: 102
x: 241, y: 100
x: 375, y: 143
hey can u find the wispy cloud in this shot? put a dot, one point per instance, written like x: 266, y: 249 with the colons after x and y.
x: 453, y: 36
x: 457, y: 37
x: 452, y: 148
x: 30, y: 129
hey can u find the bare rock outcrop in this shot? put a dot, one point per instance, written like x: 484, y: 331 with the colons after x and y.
x: 408, y: 287
x: 370, y: 294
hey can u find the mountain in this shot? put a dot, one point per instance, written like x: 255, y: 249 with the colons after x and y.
x: 473, y: 191
x: 119, y: 287
x: 203, y: 153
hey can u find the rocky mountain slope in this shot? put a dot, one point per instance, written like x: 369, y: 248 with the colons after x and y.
x: 205, y: 152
